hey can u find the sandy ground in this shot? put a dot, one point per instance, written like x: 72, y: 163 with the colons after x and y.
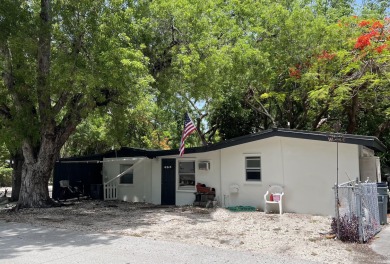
x: 296, y: 235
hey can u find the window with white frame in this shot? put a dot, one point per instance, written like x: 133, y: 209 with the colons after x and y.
x: 128, y: 177
x: 253, y: 168
x: 186, y: 175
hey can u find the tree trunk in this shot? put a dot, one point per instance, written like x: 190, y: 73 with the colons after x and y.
x: 39, y: 157
x: 382, y: 128
x: 37, y: 169
x: 352, y: 114
x: 17, y: 166
x: 34, y: 190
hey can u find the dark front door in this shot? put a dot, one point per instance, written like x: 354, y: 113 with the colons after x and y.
x: 168, y: 180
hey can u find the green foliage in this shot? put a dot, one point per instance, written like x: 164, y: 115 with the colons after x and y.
x: 234, y: 118
x: 134, y: 68
x: 95, y: 62
x: 5, y: 176
x: 5, y: 169
x: 234, y: 61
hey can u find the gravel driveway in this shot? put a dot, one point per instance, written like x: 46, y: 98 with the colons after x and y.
x: 289, y: 235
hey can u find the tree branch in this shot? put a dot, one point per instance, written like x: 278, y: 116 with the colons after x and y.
x: 358, y: 74
x: 43, y: 69
x: 61, y: 102
x: 261, y: 109
x: 5, y: 112
x: 382, y: 128
x: 20, y: 100
x: 69, y: 122
x: 198, y: 120
x: 194, y: 106
x: 317, y: 122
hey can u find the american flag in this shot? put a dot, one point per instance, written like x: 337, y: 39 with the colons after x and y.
x: 189, y: 127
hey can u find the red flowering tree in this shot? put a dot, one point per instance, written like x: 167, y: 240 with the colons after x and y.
x: 353, y: 78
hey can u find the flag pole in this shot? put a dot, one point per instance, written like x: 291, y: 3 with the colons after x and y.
x: 189, y: 128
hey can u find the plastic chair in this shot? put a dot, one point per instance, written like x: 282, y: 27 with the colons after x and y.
x: 274, y: 195
x: 67, y: 191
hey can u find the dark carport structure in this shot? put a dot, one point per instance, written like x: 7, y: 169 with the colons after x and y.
x: 80, y: 172
x: 86, y: 172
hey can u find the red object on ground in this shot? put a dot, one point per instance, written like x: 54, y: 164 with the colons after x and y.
x: 201, y: 188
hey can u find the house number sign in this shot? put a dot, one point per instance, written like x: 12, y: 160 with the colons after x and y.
x: 336, y: 138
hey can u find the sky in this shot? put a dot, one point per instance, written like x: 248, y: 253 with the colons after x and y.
x: 360, y: 2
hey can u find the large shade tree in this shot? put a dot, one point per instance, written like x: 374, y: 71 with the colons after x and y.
x: 66, y: 65
x: 60, y: 60
x: 299, y: 67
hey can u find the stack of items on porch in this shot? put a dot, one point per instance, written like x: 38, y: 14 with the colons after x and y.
x: 204, y: 196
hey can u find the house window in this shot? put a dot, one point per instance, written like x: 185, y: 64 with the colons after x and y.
x: 253, y: 168
x: 186, y: 175
x: 128, y: 177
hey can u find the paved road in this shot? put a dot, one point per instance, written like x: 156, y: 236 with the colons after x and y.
x: 21, y: 243
x: 381, y: 244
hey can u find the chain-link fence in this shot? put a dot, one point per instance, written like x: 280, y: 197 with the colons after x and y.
x: 357, y: 200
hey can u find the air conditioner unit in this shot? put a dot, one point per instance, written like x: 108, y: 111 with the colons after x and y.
x: 204, y: 165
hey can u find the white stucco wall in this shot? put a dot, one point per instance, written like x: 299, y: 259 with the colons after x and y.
x: 305, y: 168
x: 141, y: 189
x: 156, y: 180
x: 210, y: 177
x: 311, y: 171
x: 233, y: 172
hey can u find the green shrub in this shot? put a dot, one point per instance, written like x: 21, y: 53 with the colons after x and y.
x: 5, y: 177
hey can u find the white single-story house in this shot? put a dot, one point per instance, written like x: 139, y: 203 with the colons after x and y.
x: 306, y: 164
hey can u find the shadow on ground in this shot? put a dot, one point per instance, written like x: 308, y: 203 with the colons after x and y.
x: 18, y: 239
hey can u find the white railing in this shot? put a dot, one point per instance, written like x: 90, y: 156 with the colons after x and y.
x: 110, y: 191
x: 110, y: 187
